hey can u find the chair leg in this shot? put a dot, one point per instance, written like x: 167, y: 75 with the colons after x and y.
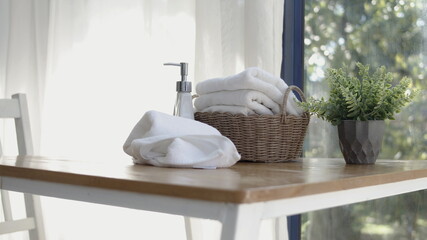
x: 33, y: 208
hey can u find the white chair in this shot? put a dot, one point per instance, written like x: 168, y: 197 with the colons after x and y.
x: 17, y: 108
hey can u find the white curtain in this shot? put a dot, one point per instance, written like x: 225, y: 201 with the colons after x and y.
x: 91, y: 68
x: 23, y: 41
x: 234, y: 35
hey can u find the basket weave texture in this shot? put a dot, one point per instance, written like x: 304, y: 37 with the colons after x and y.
x: 262, y: 138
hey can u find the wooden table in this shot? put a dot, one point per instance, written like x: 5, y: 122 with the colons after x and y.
x: 239, y: 197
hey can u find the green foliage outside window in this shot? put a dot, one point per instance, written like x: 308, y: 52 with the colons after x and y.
x: 375, y: 32
x: 392, y: 33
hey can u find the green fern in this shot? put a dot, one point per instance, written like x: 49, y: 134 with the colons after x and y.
x: 362, y: 97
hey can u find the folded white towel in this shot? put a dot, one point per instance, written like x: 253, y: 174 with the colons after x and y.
x: 256, y: 101
x: 229, y: 109
x: 167, y: 141
x: 254, y: 79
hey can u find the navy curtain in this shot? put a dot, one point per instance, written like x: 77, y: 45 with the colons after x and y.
x: 292, y: 70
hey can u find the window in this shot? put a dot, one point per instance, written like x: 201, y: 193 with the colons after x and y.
x: 392, y: 33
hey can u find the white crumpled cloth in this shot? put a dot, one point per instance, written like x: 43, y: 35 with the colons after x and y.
x: 168, y: 141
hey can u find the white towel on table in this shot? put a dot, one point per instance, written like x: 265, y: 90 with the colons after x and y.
x: 256, y: 101
x: 167, y: 141
x: 255, y: 79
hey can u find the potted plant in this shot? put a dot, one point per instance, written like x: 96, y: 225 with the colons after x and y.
x: 358, y: 104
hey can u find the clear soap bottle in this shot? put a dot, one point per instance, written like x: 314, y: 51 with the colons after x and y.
x: 184, y: 104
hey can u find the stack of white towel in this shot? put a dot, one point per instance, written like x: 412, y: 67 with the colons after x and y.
x: 253, y: 91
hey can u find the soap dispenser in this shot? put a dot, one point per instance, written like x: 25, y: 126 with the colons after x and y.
x: 183, y: 105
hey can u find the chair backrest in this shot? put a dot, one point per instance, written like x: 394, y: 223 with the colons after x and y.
x: 17, y: 108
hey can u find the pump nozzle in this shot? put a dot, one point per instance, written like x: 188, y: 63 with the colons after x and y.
x: 183, y: 85
x: 184, y: 69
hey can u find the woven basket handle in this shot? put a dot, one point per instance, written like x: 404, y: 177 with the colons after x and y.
x: 285, y: 100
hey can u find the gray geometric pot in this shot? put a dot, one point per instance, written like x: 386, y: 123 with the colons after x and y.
x: 360, y: 141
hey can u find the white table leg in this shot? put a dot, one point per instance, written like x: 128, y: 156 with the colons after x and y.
x: 193, y: 228
x: 241, y: 222
x: 281, y: 228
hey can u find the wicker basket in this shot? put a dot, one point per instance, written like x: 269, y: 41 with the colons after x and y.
x: 263, y: 138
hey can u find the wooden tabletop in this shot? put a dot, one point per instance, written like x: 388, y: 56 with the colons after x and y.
x: 242, y: 183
